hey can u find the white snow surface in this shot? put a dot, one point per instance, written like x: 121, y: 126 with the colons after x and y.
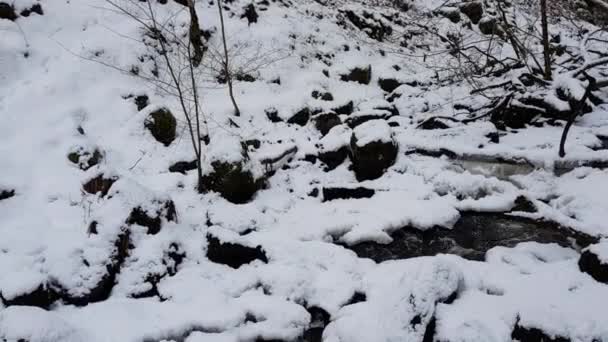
x: 46, y: 96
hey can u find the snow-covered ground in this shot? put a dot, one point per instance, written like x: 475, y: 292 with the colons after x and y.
x: 97, y: 273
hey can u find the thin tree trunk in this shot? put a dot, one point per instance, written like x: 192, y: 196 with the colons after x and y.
x: 546, y: 46
x: 237, y: 111
x: 195, y: 35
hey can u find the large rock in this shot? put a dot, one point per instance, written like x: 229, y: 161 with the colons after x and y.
x: 361, y: 75
x: 594, y: 261
x: 473, y: 10
x: 373, y: 149
x: 233, y: 181
x: 233, y: 254
x: 162, y: 124
x: 326, y: 121
x: 7, y: 11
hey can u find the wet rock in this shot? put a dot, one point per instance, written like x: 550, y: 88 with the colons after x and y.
x: 85, y: 158
x: 36, y: 8
x: 6, y: 193
x: 324, y: 96
x: 378, y: 152
x: 524, y: 205
x: 473, y: 10
x: 592, y: 263
x: 43, y: 297
x: 301, y: 117
x: 153, y: 218
x: 524, y: 334
x: 361, y: 75
x: 232, y: 254
x: 251, y: 14
x: 333, y: 159
x: 326, y: 121
x: 357, y: 297
x: 330, y: 194
x: 99, y: 184
x: 389, y: 84
x: 7, y: 11
x: 162, y: 124
x: 345, y: 109
x: 273, y: 115
x: 232, y: 181
x: 183, y: 166
x: 471, y: 237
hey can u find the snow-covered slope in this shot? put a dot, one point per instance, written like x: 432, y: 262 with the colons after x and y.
x: 151, y: 259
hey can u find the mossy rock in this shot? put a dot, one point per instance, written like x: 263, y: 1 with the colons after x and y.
x: 162, y: 124
x: 233, y: 182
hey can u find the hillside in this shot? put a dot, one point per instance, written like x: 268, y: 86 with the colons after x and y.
x: 394, y: 172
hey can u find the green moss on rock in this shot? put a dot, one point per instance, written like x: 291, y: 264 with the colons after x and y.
x: 162, y: 124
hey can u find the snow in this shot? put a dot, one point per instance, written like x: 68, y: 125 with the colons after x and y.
x: 47, y: 96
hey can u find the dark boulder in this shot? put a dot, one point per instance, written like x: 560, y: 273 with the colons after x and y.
x: 7, y: 11
x: 99, y: 184
x: 525, y: 334
x: 326, y: 121
x: 250, y: 13
x: 361, y: 75
x: 232, y: 181
x: 36, y: 8
x: 162, y: 124
x: 85, y: 158
x: 489, y: 26
x: 324, y: 96
x: 473, y: 10
x: 319, y: 319
x: 371, y: 160
x: 43, y: 297
x: 433, y: 123
x: 183, y: 166
x: 330, y: 194
x: 141, y: 101
x: 591, y: 264
x: 524, y: 205
x: 273, y: 115
x: 301, y: 117
x: 389, y: 84
x: 163, y: 210
x: 345, y: 109
x: 333, y: 159
x: 232, y: 254
x: 6, y: 193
